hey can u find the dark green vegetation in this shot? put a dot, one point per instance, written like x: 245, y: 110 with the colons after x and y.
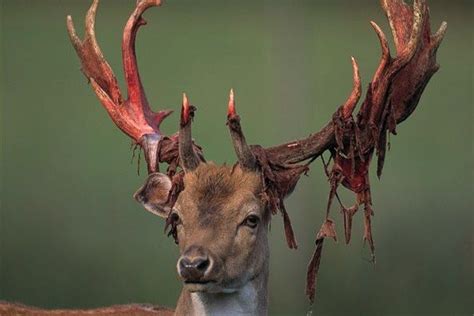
x: 72, y: 236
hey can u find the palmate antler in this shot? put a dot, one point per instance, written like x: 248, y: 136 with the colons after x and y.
x: 391, y: 97
x: 134, y: 115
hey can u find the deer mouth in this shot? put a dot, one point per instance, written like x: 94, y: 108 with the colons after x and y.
x: 200, y: 285
x: 198, y: 282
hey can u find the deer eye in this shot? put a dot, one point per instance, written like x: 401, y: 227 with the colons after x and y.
x: 174, y: 218
x: 251, y: 221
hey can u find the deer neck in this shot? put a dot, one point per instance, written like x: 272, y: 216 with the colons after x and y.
x: 251, y: 299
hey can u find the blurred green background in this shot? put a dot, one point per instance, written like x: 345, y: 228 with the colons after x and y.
x: 71, y: 234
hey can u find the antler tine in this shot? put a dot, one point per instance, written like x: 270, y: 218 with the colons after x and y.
x: 419, y: 64
x: 354, y: 97
x: 437, y: 38
x: 403, y: 20
x: 93, y: 62
x: 407, y: 26
x: 188, y: 157
x: 385, y: 59
x: 244, y: 154
x: 135, y: 89
x: 136, y: 93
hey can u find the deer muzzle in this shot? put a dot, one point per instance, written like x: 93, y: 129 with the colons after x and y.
x: 194, y: 266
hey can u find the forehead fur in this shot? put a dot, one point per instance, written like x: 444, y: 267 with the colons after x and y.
x: 215, y: 194
x: 210, y: 181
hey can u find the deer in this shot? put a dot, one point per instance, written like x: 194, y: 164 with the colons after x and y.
x: 219, y: 215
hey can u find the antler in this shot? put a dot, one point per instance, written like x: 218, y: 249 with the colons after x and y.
x: 392, y: 96
x: 189, y: 159
x: 244, y: 153
x: 133, y: 115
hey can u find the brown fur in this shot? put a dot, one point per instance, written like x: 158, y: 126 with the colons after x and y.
x: 10, y: 309
x: 210, y: 181
x: 216, y: 188
x: 213, y: 207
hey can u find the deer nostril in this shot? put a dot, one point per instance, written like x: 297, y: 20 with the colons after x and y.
x: 193, y: 269
x: 194, y: 263
x: 202, y: 264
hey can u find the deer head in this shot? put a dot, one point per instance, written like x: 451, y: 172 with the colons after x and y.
x: 219, y: 215
x: 219, y: 223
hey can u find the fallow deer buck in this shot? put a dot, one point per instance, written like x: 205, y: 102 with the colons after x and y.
x: 219, y: 215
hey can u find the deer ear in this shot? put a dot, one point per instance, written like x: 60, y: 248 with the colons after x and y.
x: 153, y: 195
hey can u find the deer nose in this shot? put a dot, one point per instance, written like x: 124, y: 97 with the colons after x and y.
x: 193, y: 266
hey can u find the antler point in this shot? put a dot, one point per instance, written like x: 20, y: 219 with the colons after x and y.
x: 185, y: 100
x: 231, y: 105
